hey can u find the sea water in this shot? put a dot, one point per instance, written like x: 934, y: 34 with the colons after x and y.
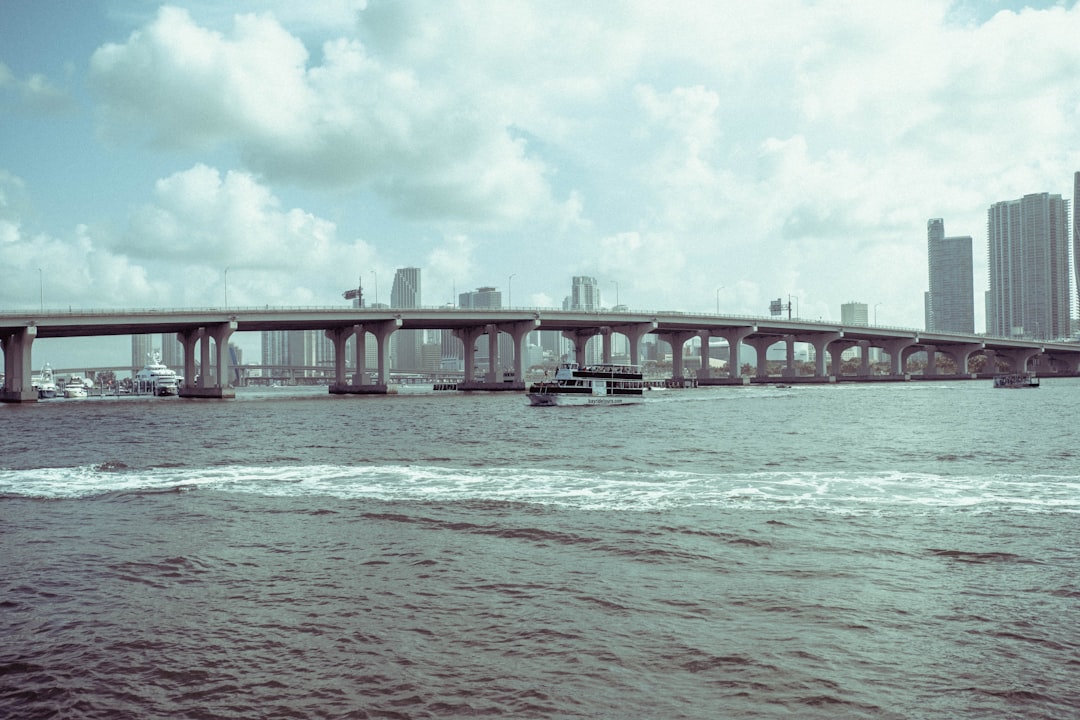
x: 882, y: 551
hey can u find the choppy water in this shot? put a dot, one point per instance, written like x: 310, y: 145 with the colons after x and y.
x: 886, y: 551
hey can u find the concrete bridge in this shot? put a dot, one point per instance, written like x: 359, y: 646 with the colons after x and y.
x: 201, y: 329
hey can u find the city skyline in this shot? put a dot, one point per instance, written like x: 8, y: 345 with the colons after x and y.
x: 702, y: 157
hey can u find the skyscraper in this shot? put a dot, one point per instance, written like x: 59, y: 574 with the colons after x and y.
x: 406, y: 344
x: 1076, y: 234
x: 584, y: 294
x: 1028, y: 245
x: 950, y: 303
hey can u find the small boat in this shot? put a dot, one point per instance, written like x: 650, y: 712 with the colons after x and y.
x: 77, y: 387
x: 604, y: 384
x: 44, y: 383
x: 1016, y: 380
x: 156, y: 378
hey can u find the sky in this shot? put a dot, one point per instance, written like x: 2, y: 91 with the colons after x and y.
x: 693, y: 156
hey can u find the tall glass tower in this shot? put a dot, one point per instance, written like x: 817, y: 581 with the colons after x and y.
x: 1028, y: 247
x: 950, y: 303
x: 406, y: 344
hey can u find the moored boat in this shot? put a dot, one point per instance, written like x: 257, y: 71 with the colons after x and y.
x: 77, y: 387
x: 44, y: 383
x: 1016, y: 380
x: 603, y: 384
x: 156, y: 378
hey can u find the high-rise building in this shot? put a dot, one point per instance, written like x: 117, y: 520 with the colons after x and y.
x: 584, y: 294
x: 1076, y: 234
x: 1028, y: 246
x: 406, y: 344
x: 854, y: 313
x: 302, y: 350
x: 950, y: 302
x: 141, y: 347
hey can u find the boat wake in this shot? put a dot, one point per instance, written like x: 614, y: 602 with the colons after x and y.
x: 644, y: 490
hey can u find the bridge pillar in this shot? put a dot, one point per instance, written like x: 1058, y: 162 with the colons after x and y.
x: 493, y: 353
x: 864, y: 358
x: 836, y: 353
x: 519, y: 331
x: 990, y: 365
x: 634, y: 332
x: 896, y: 348
x: 1064, y: 364
x: 821, y: 342
x: 931, y: 360
x: 382, y: 332
x: 761, y: 347
x: 339, y: 336
x: 706, y: 358
x: 468, y: 337
x: 580, y: 338
x: 960, y: 355
x: 676, y: 340
x: 213, y: 378
x: 188, y: 339
x: 360, y: 350
x: 1018, y: 358
x: 18, y: 365
x: 735, y: 337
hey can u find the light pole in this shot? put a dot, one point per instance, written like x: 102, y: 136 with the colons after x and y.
x: 875, y: 313
x: 509, y: 290
x: 226, y: 288
x: 789, y: 306
x: 616, y: 292
x: 376, y: 276
x: 718, y: 299
x: 41, y: 289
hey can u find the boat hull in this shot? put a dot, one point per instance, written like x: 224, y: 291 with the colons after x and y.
x: 581, y: 399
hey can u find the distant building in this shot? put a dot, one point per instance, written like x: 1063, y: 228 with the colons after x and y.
x: 488, y: 298
x: 300, y: 353
x: 585, y: 296
x: 141, y: 347
x: 854, y: 313
x: 406, y: 344
x: 1028, y: 242
x: 1076, y: 234
x: 950, y: 302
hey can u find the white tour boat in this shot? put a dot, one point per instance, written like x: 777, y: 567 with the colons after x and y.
x: 156, y: 378
x: 1016, y: 380
x: 604, y: 384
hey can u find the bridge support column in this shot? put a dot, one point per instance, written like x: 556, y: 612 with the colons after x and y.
x: 836, y: 355
x: 1064, y: 364
x: 382, y: 332
x: 468, y: 337
x: 676, y: 340
x: 990, y: 365
x: 761, y: 347
x: 931, y: 360
x: 580, y: 339
x: 519, y: 331
x: 960, y: 355
x: 789, y: 367
x: 704, y: 371
x: 634, y: 333
x: 18, y: 365
x: 735, y: 337
x: 896, y: 349
x: 821, y: 343
x: 492, y: 376
x: 864, y: 358
x: 1019, y: 358
x: 213, y: 377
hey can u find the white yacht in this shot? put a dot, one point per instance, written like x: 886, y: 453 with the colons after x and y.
x: 77, y: 387
x: 156, y: 378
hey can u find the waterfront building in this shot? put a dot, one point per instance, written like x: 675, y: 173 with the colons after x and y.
x: 405, y: 344
x: 950, y: 301
x: 1028, y: 248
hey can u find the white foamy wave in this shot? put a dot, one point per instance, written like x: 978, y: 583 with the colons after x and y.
x: 638, y: 490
